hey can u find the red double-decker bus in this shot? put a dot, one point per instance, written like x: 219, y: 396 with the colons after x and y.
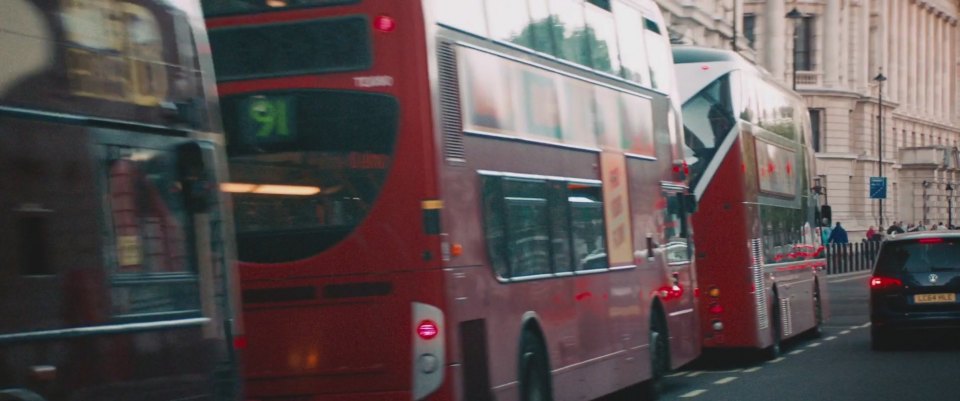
x: 468, y: 200
x: 115, y: 247
x: 759, y: 256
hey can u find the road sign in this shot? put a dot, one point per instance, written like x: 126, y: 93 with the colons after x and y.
x: 878, y: 187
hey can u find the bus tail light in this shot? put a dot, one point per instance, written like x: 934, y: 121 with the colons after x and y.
x: 717, y: 325
x: 713, y: 292
x: 384, y: 23
x: 427, y: 329
x: 429, y: 343
x: 240, y: 342
x: 715, y: 308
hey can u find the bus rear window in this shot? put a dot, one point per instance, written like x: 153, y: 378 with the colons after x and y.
x: 305, y: 167
x: 223, y: 7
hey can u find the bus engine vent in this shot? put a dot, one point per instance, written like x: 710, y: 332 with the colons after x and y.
x: 785, y: 316
x: 450, y: 120
x: 760, y: 292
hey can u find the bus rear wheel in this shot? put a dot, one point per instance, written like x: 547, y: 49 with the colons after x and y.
x: 659, y: 357
x: 534, y: 370
x: 774, y: 351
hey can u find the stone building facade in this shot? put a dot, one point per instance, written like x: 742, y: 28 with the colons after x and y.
x: 839, y: 48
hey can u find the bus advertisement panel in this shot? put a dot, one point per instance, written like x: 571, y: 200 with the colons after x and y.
x: 432, y: 206
x: 748, y: 147
x: 117, y: 281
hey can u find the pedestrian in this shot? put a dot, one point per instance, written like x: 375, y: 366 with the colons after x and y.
x: 870, y: 233
x: 838, y: 235
x: 940, y: 226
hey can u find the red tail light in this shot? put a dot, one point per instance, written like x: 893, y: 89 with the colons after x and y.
x: 427, y: 329
x: 883, y: 283
x: 930, y: 240
x: 240, y: 342
x: 715, y: 308
x: 384, y: 23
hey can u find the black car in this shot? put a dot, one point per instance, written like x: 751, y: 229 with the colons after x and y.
x: 915, y: 285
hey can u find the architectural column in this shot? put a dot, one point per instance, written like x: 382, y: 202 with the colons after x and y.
x: 883, y: 31
x: 861, y: 65
x: 901, y: 15
x: 831, y: 44
x: 941, y: 71
x: 914, y: 61
x: 945, y: 68
x: 922, y: 73
x: 774, y: 48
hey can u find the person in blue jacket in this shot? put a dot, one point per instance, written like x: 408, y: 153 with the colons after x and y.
x: 838, y: 235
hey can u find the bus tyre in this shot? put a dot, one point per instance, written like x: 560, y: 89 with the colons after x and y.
x: 534, y: 369
x: 773, y: 351
x: 659, y: 357
x: 817, y: 330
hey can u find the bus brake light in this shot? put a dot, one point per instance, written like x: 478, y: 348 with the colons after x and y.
x: 384, y: 23
x: 427, y: 329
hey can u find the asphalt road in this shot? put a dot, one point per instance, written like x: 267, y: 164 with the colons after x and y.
x: 837, y: 366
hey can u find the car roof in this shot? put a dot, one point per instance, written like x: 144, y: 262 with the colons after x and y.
x: 925, y: 234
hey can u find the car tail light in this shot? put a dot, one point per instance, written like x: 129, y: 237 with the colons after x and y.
x: 930, y: 240
x: 884, y: 283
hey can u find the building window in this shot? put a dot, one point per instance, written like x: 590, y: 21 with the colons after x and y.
x: 749, y: 29
x: 804, y: 44
x: 816, y: 126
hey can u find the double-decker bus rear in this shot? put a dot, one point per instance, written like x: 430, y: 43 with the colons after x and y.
x: 391, y: 234
x: 760, y: 260
x: 115, y: 282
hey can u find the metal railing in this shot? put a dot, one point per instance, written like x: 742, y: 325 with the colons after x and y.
x: 853, y: 257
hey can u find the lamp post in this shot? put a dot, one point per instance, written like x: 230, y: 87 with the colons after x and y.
x: 949, y: 206
x: 796, y: 16
x: 880, y: 78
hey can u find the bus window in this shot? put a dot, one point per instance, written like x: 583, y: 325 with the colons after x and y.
x: 510, y: 22
x: 601, y: 38
x: 708, y: 118
x: 586, y: 211
x: 569, y: 25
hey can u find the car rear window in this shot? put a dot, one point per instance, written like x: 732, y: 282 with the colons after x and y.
x: 920, y: 256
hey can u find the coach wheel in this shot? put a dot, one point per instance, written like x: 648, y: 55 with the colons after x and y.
x: 773, y: 351
x: 534, y: 370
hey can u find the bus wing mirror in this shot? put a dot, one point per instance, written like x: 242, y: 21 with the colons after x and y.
x: 194, y: 180
x: 690, y: 202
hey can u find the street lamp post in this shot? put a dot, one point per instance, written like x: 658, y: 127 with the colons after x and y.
x: 880, y: 78
x: 796, y: 16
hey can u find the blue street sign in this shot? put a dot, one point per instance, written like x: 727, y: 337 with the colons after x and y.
x: 878, y: 187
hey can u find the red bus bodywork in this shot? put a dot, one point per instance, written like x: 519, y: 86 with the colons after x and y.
x: 117, y: 280
x: 355, y: 320
x: 763, y: 294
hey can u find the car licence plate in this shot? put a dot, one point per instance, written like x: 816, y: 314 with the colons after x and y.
x: 934, y: 298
